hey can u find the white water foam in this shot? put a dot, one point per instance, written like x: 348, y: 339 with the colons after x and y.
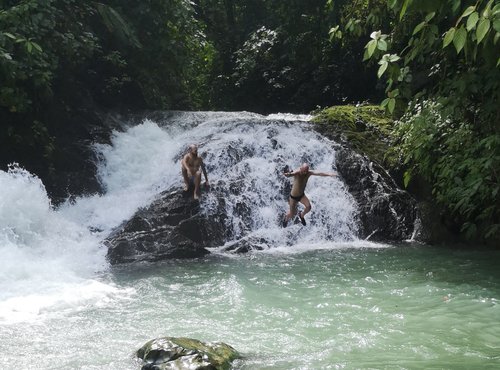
x: 52, y: 258
x: 44, y: 256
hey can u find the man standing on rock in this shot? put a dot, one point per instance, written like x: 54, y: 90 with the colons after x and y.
x: 191, y: 166
x: 300, y: 177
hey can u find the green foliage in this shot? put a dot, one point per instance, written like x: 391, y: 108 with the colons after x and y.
x: 367, y: 128
x: 462, y: 164
x: 282, y: 50
x: 443, y: 58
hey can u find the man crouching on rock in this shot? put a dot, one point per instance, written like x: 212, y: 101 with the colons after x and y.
x: 191, y: 166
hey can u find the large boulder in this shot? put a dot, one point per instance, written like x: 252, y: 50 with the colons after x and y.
x: 385, y: 212
x: 173, y: 226
x: 186, y: 353
x: 368, y: 167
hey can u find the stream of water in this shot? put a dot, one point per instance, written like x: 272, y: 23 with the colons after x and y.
x: 325, y: 301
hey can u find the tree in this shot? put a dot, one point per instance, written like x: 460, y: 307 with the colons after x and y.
x: 440, y: 62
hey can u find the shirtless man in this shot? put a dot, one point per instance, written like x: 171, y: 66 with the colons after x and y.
x: 191, y: 166
x: 300, y: 177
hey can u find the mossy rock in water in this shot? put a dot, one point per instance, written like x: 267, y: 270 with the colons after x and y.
x: 366, y: 128
x: 186, y: 353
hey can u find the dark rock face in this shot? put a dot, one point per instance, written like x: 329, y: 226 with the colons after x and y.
x: 186, y: 353
x: 176, y: 226
x: 173, y: 226
x: 385, y: 211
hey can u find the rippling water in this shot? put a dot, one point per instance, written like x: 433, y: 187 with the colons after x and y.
x: 340, y: 306
x: 317, y: 298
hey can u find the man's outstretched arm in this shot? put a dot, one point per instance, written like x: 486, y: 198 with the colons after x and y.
x: 291, y: 173
x: 317, y: 173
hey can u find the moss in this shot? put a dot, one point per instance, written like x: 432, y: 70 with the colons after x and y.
x: 366, y: 128
x: 176, y: 352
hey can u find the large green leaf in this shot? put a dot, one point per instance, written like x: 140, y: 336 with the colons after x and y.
x: 472, y: 21
x: 496, y: 25
x: 419, y: 27
x: 448, y: 37
x: 391, y: 105
x: 382, y: 45
x: 370, y: 47
x: 468, y: 11
x: 382, y: 69
x: 404, y: 8
x: 482, y: 29
x: 460, y: 39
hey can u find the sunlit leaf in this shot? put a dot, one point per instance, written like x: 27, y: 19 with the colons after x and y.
x: 391, y: 105
x: 406, y: 178
x: 9, y: 35
x: 482, y: 29
x: 496, y: 9
x: 382, y: 69
x: 448, y: 37
x: 472, y: 21
x: 375, y: 35
x: 394, y: 58
x: 460, y: 39
x: 468, y: 11
x: 404, y: 8
x: 382, y: 45
x: 36, y: 46
x: 429, y: 16
x: 370, y: 47
x: 418, y: 28
x: 487, y: 9
x: 365, y: 55
x: 496, y: 25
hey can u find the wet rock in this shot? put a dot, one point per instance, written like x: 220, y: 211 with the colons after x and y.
x: 246, y: 244
x: 185, y: 353
x: 173, y: 226
x: 385, y: 212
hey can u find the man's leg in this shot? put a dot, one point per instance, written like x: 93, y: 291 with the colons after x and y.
x: 197, y: 181
x: 293, y: 208
x: 186, y: 178
x: 307, y: 204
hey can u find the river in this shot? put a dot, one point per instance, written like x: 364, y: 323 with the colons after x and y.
x: 325, y: 300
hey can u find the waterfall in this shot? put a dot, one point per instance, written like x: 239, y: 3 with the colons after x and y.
x: 56, y: 253
x: 245, y: 156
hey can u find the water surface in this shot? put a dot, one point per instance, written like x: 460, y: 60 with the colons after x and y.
x: 315, y: 298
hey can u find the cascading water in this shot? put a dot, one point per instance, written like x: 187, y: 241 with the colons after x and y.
x: 246, y: 158
x: 316, y: 298
x: 46, y: 251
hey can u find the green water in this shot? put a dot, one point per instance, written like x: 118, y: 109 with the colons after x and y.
x: 408, y: 307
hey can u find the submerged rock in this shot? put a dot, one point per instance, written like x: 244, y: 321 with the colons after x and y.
x: 246, y: 244
x: 186, y: 353
x: 173, y: 226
